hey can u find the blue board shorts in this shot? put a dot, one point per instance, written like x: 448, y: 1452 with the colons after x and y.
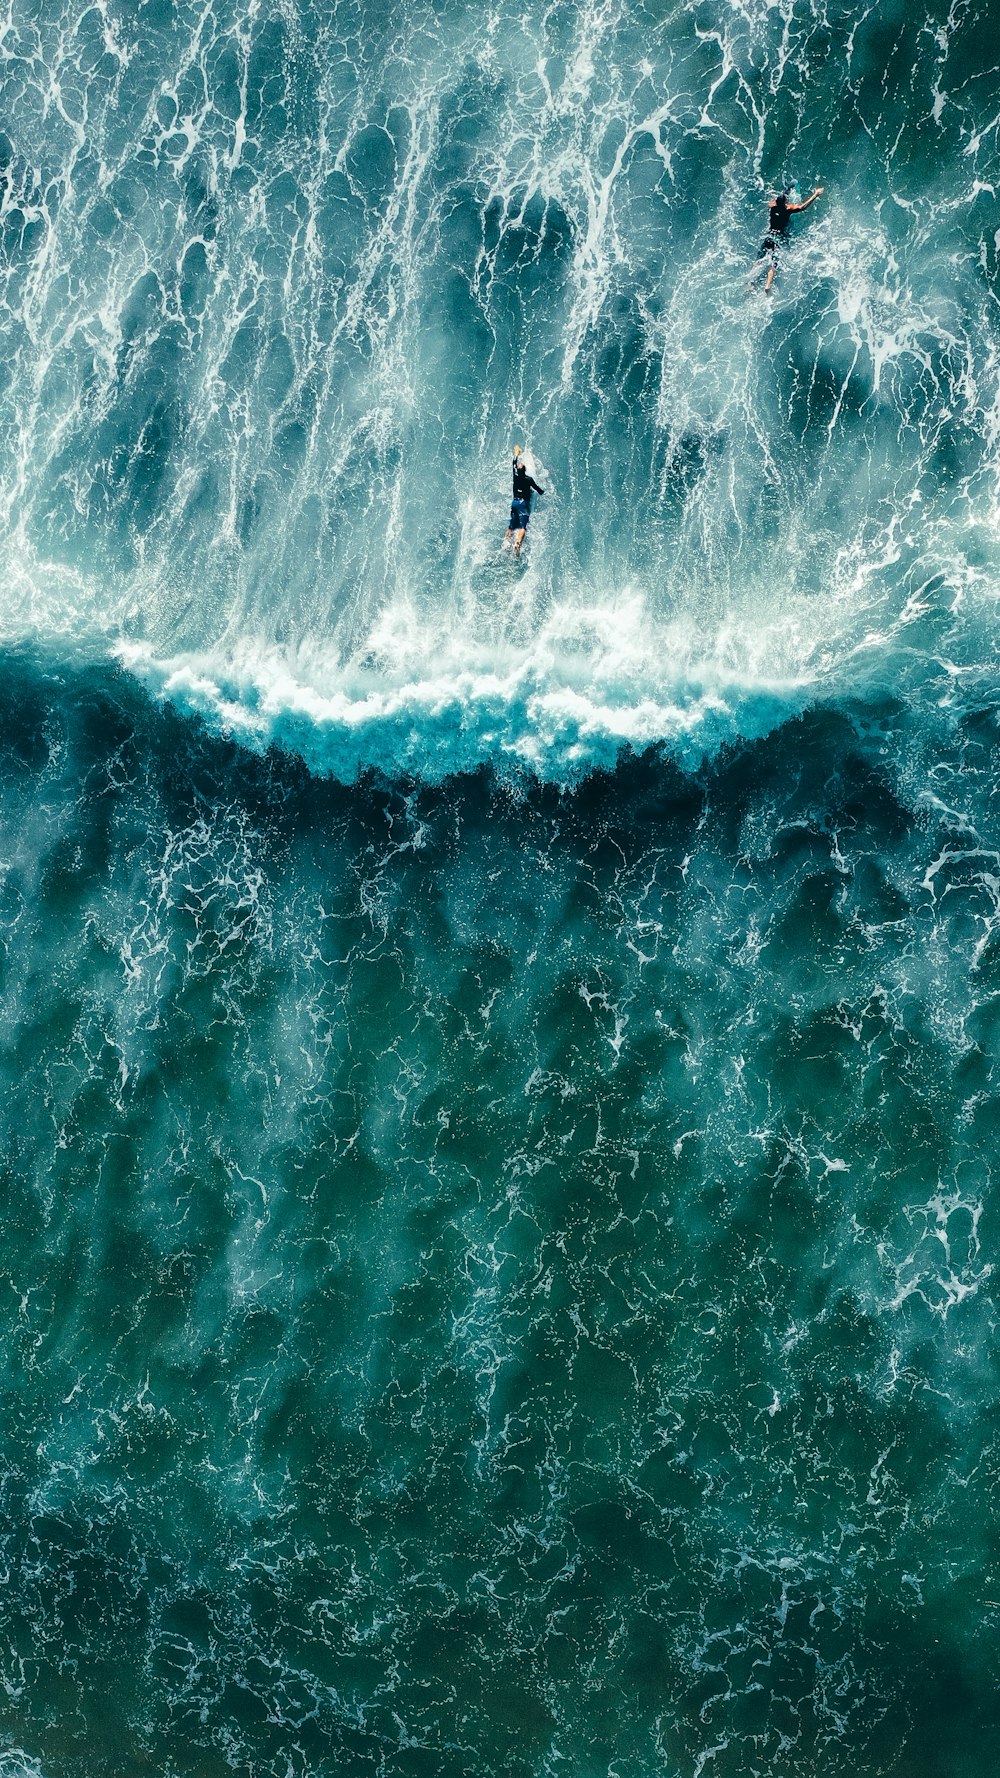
x: 519, y: 515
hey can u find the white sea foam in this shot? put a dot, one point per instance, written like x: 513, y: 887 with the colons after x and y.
x: 15, y: 1763
x: 526, y: 709
x: 262, y: 392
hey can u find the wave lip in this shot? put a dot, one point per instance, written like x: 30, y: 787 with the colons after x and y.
x: 508, y: 709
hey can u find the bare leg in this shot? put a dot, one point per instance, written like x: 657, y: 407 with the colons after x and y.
x: 507, y: 539
x: 519, y: 539
x: 770, y: 276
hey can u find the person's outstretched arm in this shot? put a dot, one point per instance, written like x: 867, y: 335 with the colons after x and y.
x: 533, y: 484
x: 796, y: 208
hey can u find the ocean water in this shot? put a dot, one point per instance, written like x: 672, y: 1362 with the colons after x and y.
x: 498, y: 1110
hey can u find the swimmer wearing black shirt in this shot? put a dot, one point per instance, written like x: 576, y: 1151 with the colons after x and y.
x: 780, y: 216
x: 520, y: 506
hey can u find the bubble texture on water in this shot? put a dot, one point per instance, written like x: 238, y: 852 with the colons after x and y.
x: 495, y: 1284
x: 499, y: 1279
x: 282, y: 284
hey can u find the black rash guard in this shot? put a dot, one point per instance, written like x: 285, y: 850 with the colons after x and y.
x: 781, y: 215
x: 523, y: 483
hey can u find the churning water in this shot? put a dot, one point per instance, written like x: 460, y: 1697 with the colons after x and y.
x: 499, y: 1265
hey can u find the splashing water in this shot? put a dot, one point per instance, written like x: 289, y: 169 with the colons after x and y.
x: 500, y: 1269
x: 282, y: 284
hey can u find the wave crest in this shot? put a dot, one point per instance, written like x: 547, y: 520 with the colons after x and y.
x: 549, y: 710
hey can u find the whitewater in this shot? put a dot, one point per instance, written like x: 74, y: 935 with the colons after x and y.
x: 499, y: 1062
x: 281, y: 288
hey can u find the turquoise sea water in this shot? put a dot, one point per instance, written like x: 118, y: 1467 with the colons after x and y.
x: 499, y: 1112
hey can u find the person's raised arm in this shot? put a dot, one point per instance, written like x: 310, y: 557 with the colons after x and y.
x: 796, y: 208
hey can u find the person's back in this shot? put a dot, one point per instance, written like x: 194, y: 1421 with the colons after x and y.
x: 780, y: 215
x: 523, y: 482
x: 782, y: 211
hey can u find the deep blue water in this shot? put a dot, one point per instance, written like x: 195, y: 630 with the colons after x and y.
x: 496, y: 1142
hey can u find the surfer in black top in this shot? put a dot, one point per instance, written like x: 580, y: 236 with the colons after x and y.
x: 780, y: 216
x: 520, y: 506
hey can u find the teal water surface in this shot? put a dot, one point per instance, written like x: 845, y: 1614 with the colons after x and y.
x: 496, y: 1284
x: 498, y: 1103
